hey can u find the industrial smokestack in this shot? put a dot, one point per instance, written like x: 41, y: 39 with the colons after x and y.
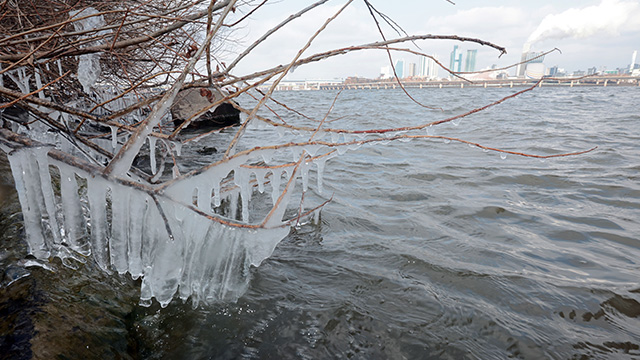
x: 521, y: 67
x: 633, y: 60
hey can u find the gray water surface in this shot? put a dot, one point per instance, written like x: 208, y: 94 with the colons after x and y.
x: 428, y: 249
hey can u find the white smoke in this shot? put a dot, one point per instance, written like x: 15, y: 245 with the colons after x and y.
x: 610, y: 17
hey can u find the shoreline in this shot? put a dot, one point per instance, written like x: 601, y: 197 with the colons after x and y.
x: 594, y: 81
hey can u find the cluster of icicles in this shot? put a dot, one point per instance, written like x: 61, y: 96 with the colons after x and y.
x: 182, y: 238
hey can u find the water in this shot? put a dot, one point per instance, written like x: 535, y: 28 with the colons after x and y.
x: 428, y: 250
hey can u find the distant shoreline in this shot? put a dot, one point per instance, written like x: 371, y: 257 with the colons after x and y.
x: 366, y: 84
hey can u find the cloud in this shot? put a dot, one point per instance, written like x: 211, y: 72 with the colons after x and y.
x: 352, y: 27
x: 610, y: 17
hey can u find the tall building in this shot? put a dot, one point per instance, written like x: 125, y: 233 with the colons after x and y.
x: 470, y: 61
x: 422, y: 66
x: 411, y: 70
x: 455, y: 61
x: 399, y: 68
x: 427, y: 67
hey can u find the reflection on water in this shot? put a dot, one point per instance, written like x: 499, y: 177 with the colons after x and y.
x: 429, y: 250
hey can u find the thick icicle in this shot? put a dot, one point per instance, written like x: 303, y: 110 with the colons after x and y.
x: 119, y: 244
x: 72, y: 209
x: 241, y: 178
x: 27, y: 193
x: 163, y: 275
x: 138, y: 205
x: 97, y: 193
x: 47, y: 192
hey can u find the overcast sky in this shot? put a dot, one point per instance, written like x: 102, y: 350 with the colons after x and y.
x: 600, y: 33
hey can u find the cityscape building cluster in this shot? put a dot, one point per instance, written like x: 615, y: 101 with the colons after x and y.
x: 531, y: 66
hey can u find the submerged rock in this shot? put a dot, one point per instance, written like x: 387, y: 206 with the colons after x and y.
x: 191, y: 101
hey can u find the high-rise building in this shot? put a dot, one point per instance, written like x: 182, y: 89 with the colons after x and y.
x: 399, y: 68
x: 553, y: 71
x: 422, y: 66
x: 455, y: 61
x: 470, y: 61
x: 427, y: 67
x: 432, y: 68
x: 411, y: 70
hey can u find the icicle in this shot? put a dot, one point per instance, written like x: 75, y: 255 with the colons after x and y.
x: 204, y: 194
x: 119, y: 244
x: 216, y: 193
x: 261, y: 178
x: 114, y: 137
x: 275, y: 185
x: 47, y: 192
x: 177, y: 147
x: 320, y: 172
x: 276, y: 216
x: 152, y: 153
x: 139, y: 202
x: 24, y: 79
x: 97, y: 191
x: 31, y: 212
x: 228, y: 270
x: 233, y: 204
x: 163, y: 276
x: 304, y: 173
x: 21, y: 81
x: 194, y: 230
x: 241, y: 178
x: 38, y: 82
x: 89, y: 64
x: 72, y: 209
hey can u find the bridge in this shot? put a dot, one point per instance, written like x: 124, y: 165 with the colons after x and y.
x: 603, y: 81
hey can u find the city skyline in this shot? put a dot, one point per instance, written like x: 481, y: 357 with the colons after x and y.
x: 513, y: 24
x: 533, y: 66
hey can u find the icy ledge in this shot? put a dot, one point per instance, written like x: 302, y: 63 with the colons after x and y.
x: 174, y: 247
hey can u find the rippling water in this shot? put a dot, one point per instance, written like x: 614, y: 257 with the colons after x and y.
x: 428, y: 250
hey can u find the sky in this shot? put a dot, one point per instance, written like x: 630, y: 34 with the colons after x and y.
x: 589, y: 33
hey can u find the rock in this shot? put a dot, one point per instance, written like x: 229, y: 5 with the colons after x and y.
x: 193, y: 100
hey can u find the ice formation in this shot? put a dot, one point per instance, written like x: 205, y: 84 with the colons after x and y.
x: 181, y: 238
x: 88, y: 64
